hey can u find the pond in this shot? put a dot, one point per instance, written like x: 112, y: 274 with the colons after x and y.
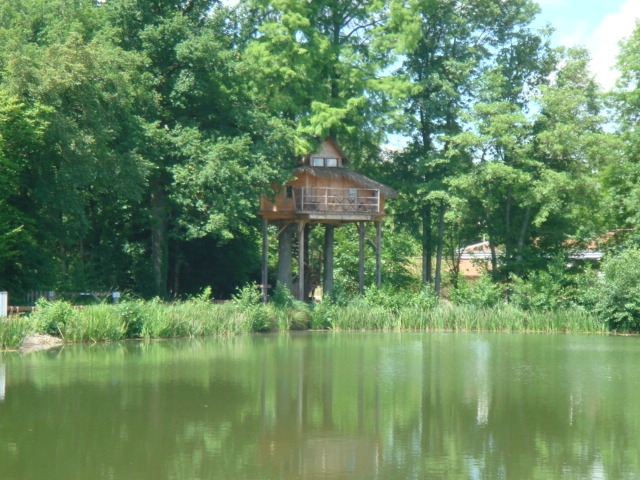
x: 326, y: 406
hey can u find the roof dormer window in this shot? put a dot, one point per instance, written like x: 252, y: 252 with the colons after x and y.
x: 331, y: 162
x: 324, y: 162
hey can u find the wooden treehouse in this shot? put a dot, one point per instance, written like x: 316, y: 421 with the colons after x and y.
x: 321, y: 191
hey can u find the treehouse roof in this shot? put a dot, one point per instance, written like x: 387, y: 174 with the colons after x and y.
x: 345, y: 174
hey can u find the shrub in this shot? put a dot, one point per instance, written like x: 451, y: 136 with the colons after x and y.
x: 396, y: 300
x: 483, y: 292
x: 538, y: 292
x: 614, y: 293
x: 52, y: 317
x: 132, y: 315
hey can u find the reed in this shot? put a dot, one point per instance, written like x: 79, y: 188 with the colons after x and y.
x: 13, y: 331
x: 444, y: 316
x: 200, y: 317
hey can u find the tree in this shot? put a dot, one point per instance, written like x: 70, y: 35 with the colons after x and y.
x: 207, y: 137
x: 320, y: 66
x: 77, y: 87
x: 621, y: 174
x: 446, y: 45
x: 532, y: 186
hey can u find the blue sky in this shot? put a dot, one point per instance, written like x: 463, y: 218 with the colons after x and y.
x: 596, y: 24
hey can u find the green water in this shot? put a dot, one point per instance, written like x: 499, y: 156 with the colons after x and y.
x: 326, y: 406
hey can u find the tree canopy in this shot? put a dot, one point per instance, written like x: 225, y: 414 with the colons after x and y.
x: 137, y: 136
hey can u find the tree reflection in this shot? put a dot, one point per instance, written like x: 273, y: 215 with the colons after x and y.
x: 371, y: 405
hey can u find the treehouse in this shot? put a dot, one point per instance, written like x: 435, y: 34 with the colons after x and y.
x: 321, y: 192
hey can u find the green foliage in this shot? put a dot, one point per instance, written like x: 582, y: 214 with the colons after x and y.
x: 247, y: 296
x: 544, y: 290
x: 394, y: 300
x: 132, y: 315
x: 14, y: 330
x: 52, y: 317
x: 248, y: 301
x: 136, y: 138
x: 294, y: 313
x: 483, y: 292
x: 614, y: 294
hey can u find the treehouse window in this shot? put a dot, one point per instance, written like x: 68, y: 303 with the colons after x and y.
x: 289, y: 191
x: 324, y: 162
x: 332, y: 162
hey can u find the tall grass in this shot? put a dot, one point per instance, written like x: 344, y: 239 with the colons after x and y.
x: 377, y: 310
x: 445, y: 316
x: 13, y: 331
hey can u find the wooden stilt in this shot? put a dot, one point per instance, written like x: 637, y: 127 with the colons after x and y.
x: 378, y: 253
x: 361, y: 270
x: 301, y: 255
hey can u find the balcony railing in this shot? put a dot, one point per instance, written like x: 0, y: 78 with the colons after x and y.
x: 336, y: 200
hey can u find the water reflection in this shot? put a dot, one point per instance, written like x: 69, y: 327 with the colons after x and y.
x: 319, y: 406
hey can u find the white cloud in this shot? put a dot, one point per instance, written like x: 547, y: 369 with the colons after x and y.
x: 603, y: 43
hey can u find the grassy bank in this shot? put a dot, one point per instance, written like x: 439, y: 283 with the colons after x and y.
x: 245, y: 314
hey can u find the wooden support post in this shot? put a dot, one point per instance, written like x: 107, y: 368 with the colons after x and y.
x: 378, y: 253
x: 301, y: 256
x: 361, y: 270
x: 285, y: 243
x: 327, y: 286
x: 265, y: 260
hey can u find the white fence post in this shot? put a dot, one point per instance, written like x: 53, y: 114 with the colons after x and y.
x: 4, y: 302
x: 3, y: 380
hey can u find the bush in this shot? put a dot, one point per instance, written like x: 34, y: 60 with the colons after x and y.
x: 132, y: 315
x: 248, y: 301
x: 479, y: 293
x: 396, y: 300
x: 539, y: 292
x: 614, y: 293
x: 52, y: 317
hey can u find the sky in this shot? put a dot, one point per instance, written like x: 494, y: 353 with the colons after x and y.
x: 596, y: 24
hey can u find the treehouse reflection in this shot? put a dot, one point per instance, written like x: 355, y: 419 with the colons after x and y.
x: 322, y: 191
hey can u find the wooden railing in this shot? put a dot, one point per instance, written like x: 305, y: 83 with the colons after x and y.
x: 336, y: 200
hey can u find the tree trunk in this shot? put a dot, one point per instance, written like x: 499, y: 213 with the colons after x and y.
x: 327, y: 286
x: 427, y: 245
x: 285, y: 255
x: 265, y: 260
x: 494, y: 259
x: 438, y: 279
x: 508, y: 249
x: 521, y: 237
x: 159, y: 240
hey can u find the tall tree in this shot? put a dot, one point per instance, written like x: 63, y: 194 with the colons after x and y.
x: 207, y: 137
x: 321, y: 67
x: 532, y: 186
x: 621, y: 174
x: 446, y: 45
x: 57, y: 63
